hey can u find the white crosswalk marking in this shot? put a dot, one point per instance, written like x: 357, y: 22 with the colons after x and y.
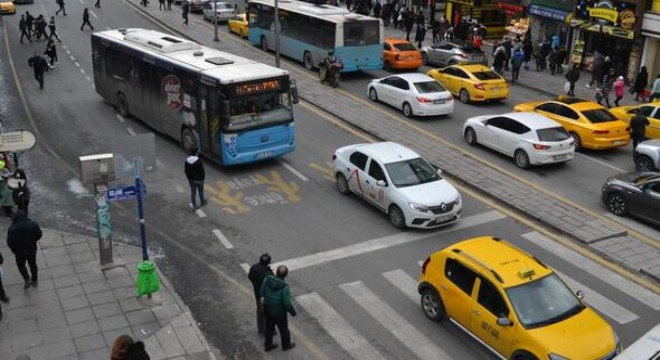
x: 403, y: 282
x: 405, y: 332
x: 600, y: 302
x: 634, y: 290
x: 340, y: 330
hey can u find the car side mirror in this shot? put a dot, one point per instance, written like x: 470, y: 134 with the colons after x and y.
x: 579, y: 294
x: 381, y: 183
x: 438, y: 171
x: 294, y: 91
x: 504, y: 321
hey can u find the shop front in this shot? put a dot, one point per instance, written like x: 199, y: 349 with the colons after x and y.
x: 651, y: 33
x: 550, y: 17
x: 486, y: 12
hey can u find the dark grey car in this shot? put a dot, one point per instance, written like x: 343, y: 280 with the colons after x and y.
x: 445, y: 53
x: 635, y: 194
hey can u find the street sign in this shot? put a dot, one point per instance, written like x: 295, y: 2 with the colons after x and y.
x: 124, y: 192
x: 17, y: 140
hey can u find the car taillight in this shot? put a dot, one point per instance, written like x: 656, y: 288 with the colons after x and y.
x: 628, y: 129
x: 423, y: 99
x: 479, y: 86
x: 426, y: 262
x: 601, y: 132
x: 541, y: 147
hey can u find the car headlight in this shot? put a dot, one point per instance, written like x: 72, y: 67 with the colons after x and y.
x: 418, y: 207
x: 556, y: 357
x: 458, y: 200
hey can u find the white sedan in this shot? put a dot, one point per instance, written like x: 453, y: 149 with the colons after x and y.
x: 530, y: 138
x: 413, y: 93
x: 225, y: 11
x: 399, y: 182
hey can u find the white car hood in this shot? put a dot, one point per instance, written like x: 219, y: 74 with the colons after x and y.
x: 430, y: 194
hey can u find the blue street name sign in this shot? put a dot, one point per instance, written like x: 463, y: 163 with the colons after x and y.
x: 123, y: 192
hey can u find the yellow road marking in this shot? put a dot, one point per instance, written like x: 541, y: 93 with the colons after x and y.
x: 290, y: 189
x: 326, y: 170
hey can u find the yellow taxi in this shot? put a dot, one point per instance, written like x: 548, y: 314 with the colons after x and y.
x: 513, y: 303
x: 7, y: 7
x: 651, y: 111
x: 239, y: 25
x: 590, y: 124
x: 471, y: 82
x: 400, y: 54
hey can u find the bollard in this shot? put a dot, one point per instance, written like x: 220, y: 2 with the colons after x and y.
x: 147, y: 281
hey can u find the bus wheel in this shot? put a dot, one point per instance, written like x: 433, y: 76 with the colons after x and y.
x: 188, y: 139
x: 308, y: 61
x: 264, y: 43
x: 122, y: 105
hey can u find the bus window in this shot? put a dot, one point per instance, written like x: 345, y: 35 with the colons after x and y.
x: 259, y: 110
x: 358, y: 33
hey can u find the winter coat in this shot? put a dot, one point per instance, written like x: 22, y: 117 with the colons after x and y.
x: 641, y: 81
x: 618, y: 87
x: 258, y: 272
x: 608, y: 82
x: 638, y: 125
x: 277, y: 297
x: 420, y: 33
x: 194, y: 169
x: 527, y: 50
x: 573, y: 74
x: 500, y: 59
x: 517, y: 60
x: 22, y: 235
x: 38, y: 64
x: 136, y: 351
x: 21, y: 197
x: 6, y: 198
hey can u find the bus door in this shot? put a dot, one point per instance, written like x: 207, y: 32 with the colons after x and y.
x: 209, y: 121
x: 137, y: 91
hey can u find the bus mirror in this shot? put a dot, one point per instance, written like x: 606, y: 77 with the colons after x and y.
x: 224, y: 108
x: 294, y: 92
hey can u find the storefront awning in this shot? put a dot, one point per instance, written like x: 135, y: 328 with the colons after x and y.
x: 605, y: 29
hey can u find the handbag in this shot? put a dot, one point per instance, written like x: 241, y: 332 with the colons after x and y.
x: 567, y: 86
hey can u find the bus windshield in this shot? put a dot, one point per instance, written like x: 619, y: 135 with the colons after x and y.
x: 259, y: 110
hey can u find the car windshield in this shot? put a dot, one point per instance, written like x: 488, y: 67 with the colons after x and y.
x: 405, y: 47
x: 543, y: 301
x: 599, y: 115
x: 552, y: 134
x: 223, y: 6
x: 486, y: 75
x: 411, y: 172
x: 428, y: 87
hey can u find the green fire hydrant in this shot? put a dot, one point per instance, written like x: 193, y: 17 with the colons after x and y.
x: 147, y: 280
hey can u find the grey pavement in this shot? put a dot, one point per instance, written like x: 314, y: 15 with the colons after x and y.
x: 79, y: 308
x: 640, y: 254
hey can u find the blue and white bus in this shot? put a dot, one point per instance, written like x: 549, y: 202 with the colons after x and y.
x: 234, y: 110
x: 308, y: 31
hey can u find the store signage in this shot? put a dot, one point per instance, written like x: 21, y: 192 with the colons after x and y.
x: 604, y: 13
x: 627, y: 19
x: 609, y: 30
x: 547, y: 12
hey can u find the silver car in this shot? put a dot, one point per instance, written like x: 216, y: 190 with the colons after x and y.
x: 647, y: 156
x: 225, y: 11
x: 445, y: 53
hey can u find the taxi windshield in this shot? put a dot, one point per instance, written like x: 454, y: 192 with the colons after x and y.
x: 411, y: 172
x: 543, y: 301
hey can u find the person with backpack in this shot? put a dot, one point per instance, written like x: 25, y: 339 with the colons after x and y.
x: 516, y: 63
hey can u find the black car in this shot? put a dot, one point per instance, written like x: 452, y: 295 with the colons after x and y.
x: 635, y: 194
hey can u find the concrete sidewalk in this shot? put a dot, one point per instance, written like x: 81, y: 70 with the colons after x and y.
x: 79, y: 308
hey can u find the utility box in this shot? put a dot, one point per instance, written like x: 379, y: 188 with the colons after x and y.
x: 97, y: 168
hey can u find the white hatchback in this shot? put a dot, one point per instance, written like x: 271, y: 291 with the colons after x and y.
x: 413, y: 93
x: 530, y: 138
x: 399, y: 182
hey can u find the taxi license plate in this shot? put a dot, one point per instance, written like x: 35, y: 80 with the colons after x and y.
x: 495, y: 88
x: 618, y: 142
x: 438, y: 101
x: 264, y: 154
x: 559, y: 157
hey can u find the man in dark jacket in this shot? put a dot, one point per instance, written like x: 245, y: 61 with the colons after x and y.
x: 638, y: 125
x: 3, y: 295
x: 22, y: 238
x: 40, y: 66
x: 257, y: 274
x: 572, y: 76
x: 277, y: 297
x: 194, y: 169
x: 22, y: 26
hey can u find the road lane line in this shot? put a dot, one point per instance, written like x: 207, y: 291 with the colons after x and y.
x: 73, y: 59
x: 94, y: 15
x: 404, y: 282
x: 200, y: 213
x: 246, y: 267
x: 179, y: 188
x: 600, y: 162
x: 67, y: 52
x: 626, y: 286
x: 600, y: 302
x: 223, y: 239
x: 82, y: 71
x: 384, y: 242
x: 88, y: 78
x: 337, y: 327
x: 293, y: 170
x: 130, y: 131
x: 405, y: 332
x: 120, y: 118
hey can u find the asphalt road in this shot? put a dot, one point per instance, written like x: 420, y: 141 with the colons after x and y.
x: 288, y: 208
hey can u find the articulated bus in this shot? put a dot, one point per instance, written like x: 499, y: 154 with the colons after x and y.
x: 308, y: 31
x: 234, y: 110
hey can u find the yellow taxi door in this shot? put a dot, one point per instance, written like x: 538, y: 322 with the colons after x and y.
x: 488, y: 307
x: 456, y: 291
x: 653, y: 130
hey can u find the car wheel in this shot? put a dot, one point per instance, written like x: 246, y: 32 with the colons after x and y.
x: 122, y: 105
x: 397, y: 218
x: 521, y: 158
x: 425, y: 58
x: 188, y: 139
x: 407, y: 110
x: 264, y: 43
x: 616, y: 204
x: 387, y: 66
x: 342, y: 184
x: 432, y: 305
x: 464, y: 95
x: 308, y: 60
x: 470, y: 136
x: 524, y: 356
x: 578, y: 141
x: 644, y: 163
x: 373, y: 95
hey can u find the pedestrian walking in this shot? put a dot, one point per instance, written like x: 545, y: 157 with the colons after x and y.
x: 258, y: 272
x: 277, y: 297
x: 40, y: 27
x: 51, y: 52
x: 86, y: 20
x: 120, y: 347
x: 60, y: 4
x: 420, y: 33
x: 29, y: 22
x: 22, y: 26
x: 20, y: 191
x: 3, y: 295
x: 51, y: 28
x: 655, y: 90
x: 561, y: 57
x: 6, y: 198
x: 508, y: 46
x: 194, y: 169
x: 528, y: 50
x: 22, y: 238
x: 596, y: 68
x: 619, y: 85
x: 516, y: 63
x: 499, y: 59
x: 554, y: 41
x: 552, y: 61
x: 408, y: 22
x: 169, y: 5
x: 146, y: 2
x: 161, y: 5
x: 376, y: 9
x: 638, y: 125
x: 572, y: 76
x: 39, y: 66
x: 185, y: 9
x: 607, y: 85
x: 641, y: 81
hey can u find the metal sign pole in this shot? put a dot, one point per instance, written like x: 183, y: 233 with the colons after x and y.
x: 277, y: 34
x: 138, y: 192
x: 215, y: 20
